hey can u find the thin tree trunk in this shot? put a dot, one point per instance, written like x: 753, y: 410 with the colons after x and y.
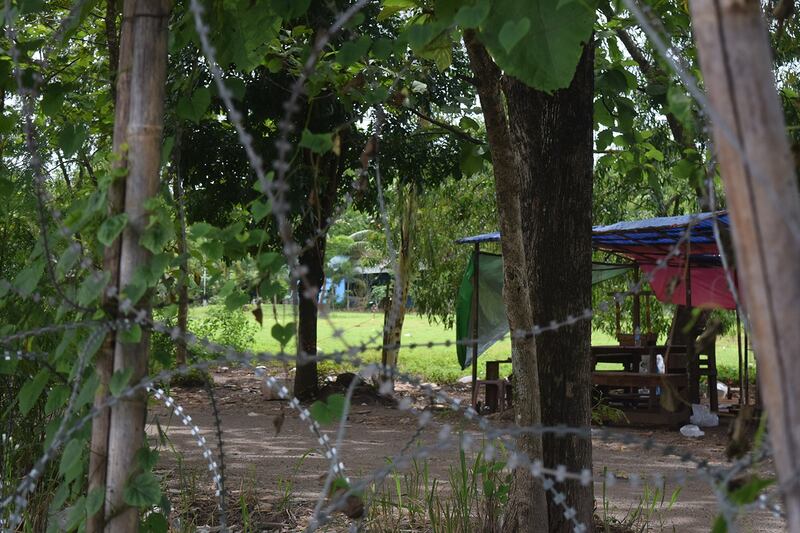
x: 306, y: 379
x: 112, y: 42
x: 552, y: 144
x: 150, y: 20
x: 527, y: 501
x: 183, y: 278
x: 120, y: 90
x: 758, y: 172
x: 395, y: 313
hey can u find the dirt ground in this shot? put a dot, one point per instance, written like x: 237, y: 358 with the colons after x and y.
x: 275, y: 479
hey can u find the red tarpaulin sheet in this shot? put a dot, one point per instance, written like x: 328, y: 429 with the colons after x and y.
x: 709, y: 286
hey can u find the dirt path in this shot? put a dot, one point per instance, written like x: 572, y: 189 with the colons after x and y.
x: 279, y: 476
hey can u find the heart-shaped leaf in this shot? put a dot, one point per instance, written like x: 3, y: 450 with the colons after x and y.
x: 473, y: 16
x: 513, y: 31
x: 111, y: 228
x: 331, y: 410
x: 283, y: 334
x: 548, y: 52
x: 142, y: 491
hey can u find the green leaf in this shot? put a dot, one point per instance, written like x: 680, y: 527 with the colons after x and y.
x: 67, y: 260
x: 289, y: 9
x: 71, y: 464
x: 467, y: 123
x: 111, y: 228
x: 227, y: 289
x: 512, y: 32
x: 53, y: 99
x: 30, y: 6
x: 155, y: 523
x: 748, y: 493
x: 146, y: 458
x: 679, y: 104
x: 260, y: 210
x: 393, y: 7
x: 548, y: 52
x: 720, y: 525
x: 94, y: 501
x: 269, y: 262
x: 236, y: 300
x: 328, y: 411
x: 316, y: 142
x: 88, y: 391
x: 7, y: 122
x: 31, y: 391
x: 283, y: 334
x: 654, y: 153
x: 382, y: 48
x: 212, y: 250
x: 71, y: 138
x: 201, y: 229
x: 142, y: 491
x: 352, y: 51
x: 56, y: 398
x: 471, y: 161
x: 76, y: 513
x: 26, y: 280
x: 194, y: 106
x: 131, y: 336
x: 473, y: 16
x: 119, y: 380
x: 92, y: 286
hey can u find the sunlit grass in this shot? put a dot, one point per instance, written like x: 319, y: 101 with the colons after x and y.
x: 437, y: 364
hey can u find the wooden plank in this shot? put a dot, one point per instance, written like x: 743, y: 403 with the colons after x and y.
x: 638, y: 379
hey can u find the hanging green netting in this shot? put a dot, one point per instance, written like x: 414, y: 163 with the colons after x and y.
x: 492, y: 320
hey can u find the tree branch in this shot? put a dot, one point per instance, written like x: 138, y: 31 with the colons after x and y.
x: 445, y: 126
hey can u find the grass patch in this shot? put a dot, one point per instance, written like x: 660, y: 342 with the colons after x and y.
x: 437, y: 364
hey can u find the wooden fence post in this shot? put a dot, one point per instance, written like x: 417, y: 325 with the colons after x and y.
x: 98, y: 458
x: 762, y: 192
x: 149, y: 24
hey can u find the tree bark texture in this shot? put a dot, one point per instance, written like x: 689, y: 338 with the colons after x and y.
x: 527, y: 503
x: 395, y: 312
x: 150, y: 19
x: 121, y: 58
x: 758, y: 173
x: 327, y: 171
x: 552, y: 148
x: 306, y: 379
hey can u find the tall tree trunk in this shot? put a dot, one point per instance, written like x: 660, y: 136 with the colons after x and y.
x: 119, y: 58
x: 527, y: 500
x: 306, y: 379
x: 150, y: 20
x: 551, y: 137
x: 395, y: 312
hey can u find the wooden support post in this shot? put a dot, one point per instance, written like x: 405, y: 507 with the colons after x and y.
x: 637, y: 311
x: 149, y: 23
x: 692, y: 356
x: 739, y: 353
x: 758, y: 172
x: 476, y: 270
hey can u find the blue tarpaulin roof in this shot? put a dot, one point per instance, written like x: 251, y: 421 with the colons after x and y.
x: 658, y: 231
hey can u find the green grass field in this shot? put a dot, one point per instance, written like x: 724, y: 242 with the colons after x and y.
x: 437, y: 364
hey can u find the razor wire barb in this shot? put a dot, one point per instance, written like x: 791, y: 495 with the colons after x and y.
x: 275, y: 190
